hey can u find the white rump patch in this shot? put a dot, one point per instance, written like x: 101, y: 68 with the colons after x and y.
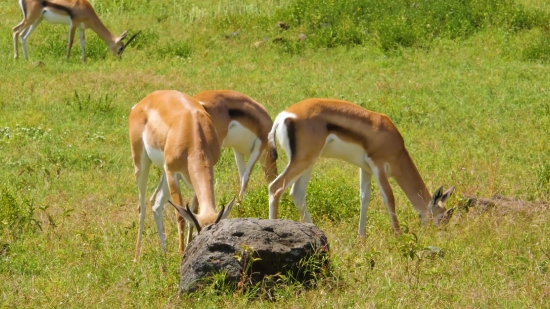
x: 240, y: 138
x: 282, y: 132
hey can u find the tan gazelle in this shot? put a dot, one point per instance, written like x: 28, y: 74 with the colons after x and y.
x: 329, y: 128
x: 173, y: 131
x: 78, y: 14
x: 242, y: 124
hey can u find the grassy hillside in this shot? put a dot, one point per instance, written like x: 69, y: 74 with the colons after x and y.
x: 466, y: 83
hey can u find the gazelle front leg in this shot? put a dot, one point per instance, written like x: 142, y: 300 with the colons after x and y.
x: 387, y: 194
x: 71, y: 39
x: 365, y: 180
x: 158, y: 200
x: 82, y: 43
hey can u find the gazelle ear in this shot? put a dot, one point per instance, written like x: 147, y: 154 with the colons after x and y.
x: 187, y: 214
x: 447, y: 194
x: 122, y: 36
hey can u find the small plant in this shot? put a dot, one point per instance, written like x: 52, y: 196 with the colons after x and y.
x: 16, y: 217
x: 85, y: 103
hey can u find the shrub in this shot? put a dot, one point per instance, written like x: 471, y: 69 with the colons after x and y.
x: 16, y: 217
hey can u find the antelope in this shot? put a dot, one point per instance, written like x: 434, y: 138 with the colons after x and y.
x: 242, y: 124
x: 75, y: 13
x: 172, y: 130
x: 338, y: 129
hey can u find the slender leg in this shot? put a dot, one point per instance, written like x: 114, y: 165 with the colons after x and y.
x: 365, y: 179
x: 239, y: 159
x: 175, y: 193
x: 254, y: 155
x: 276, y: 189
x: 160, y: 197
x: 190, y: 225
x: 25, y: 35
x: 82, y: 44
x: 387, y: 194
x: 141, y: 174
x: 16, y: 32
x: 298, y: 194
x: 71, y: 40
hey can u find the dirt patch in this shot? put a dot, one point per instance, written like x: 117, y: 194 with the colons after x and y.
x: 502, y: 205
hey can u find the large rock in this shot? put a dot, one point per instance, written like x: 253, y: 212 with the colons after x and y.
x: 280, y: 245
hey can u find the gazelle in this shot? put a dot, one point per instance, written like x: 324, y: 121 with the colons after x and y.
x: 242, y: 124
x: 75, y: 13
x: 173, y: 131
x: 316, y: 128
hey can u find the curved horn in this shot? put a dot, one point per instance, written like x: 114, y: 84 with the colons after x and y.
x: 220, y: 215
x: 192, y: 215
x: 131, y: 39
x: 187, y: 214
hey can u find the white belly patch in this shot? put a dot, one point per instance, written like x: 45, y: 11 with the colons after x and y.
x: 339, y: 149
x: 55, y: 18
x: 240, y: 138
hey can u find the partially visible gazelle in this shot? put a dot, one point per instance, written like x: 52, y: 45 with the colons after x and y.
x: 78, y: 14
x: 242, y: 124
x: 173, y: 131
x: 316, y: 128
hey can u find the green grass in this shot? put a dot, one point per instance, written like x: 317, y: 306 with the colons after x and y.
x: 471, y: 100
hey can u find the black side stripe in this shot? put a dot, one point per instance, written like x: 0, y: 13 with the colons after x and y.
x: 58, y: 7
x: 291, y: 130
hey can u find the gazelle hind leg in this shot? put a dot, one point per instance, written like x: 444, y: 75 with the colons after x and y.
x: 25, y: 35
x: 141, y: 174
x: 365, y: 180
x: 254, y: 155
x: 298, y: 194
x: 276, y: 189
x: 16, y: 32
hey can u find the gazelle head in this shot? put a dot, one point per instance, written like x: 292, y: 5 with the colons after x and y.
x: 437, y: 206
x: 200, y: 221
x: 118, y: 45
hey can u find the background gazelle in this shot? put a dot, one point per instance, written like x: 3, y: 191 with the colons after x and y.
x: 173, y: 131
x: 75, y: 13
x: 316, y: 128
x: 242, y: 124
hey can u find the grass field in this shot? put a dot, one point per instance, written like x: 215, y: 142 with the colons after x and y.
x: 466, y: 83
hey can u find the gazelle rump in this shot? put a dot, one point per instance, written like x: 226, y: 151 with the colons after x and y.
x: 173, y: 131
x: 242, y: 124
x: 330, y: 128
x: 78, y: 14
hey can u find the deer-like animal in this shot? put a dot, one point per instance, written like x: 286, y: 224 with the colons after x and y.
x: 172, y: 130
x: 329, y: 128
x: 78, y: 14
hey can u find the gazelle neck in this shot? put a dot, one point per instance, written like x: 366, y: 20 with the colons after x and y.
x: 410, y: 181
x: 102, y: 31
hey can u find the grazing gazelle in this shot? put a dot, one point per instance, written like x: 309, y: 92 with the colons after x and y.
x: 242, y: 124
x: 173, y: 131
x: 316, y: 128
x: 78, y: 14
